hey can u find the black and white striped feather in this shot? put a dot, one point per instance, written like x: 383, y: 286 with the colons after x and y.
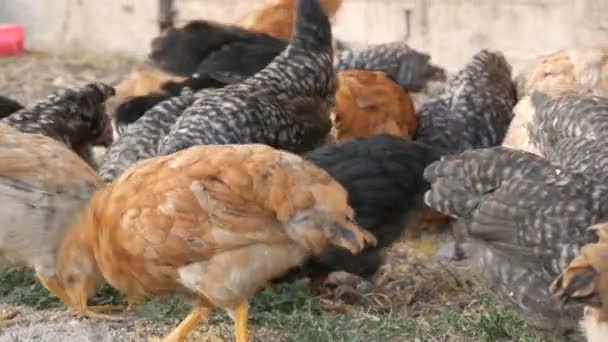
x: 286, y: 105
x: 475, y: 108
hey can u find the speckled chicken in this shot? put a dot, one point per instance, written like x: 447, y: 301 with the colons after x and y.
x: 586, y: 280
x: 581, y: 69
x: 474, y: 110
x: 369, y: 103
x: 276, y: 18
x: 43, y: 186
x: 216, y: 222
x: 75, y: 116
x: 8, y: 106
x: 525, y: 220
x: 411, y: 69
x: 140, y: 140
x: 383, y: 176
x: 286, y: 105
x: 572, y: 131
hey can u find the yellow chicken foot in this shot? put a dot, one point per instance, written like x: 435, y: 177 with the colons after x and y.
x: 183, y: 329
x: 240, y: 321
x: 78, y: 306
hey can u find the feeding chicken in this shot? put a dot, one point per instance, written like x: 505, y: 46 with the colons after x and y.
x: 217, y: 222
x: 411, y: 69
x: 286, y: 105
x: 586, y: 280
x: 524, y: 220
x: 75, y: 116
x: 580, y: 69
x: 139, y: 140
x: 383, y: 176
x: 474, y: 110
x: 8, y: 106
x: 368, y: 103
x: 277, y: 17
x: 43, y: 186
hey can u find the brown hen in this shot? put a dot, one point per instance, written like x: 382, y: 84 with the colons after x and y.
x: 586, y: 280
x: 277, y: 17
x: 369, y: 103
x: 217, y: 222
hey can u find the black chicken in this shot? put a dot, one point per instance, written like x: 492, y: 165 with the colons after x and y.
x: 8, y: 106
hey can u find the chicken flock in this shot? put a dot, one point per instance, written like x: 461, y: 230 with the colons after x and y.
x: 267, y: 151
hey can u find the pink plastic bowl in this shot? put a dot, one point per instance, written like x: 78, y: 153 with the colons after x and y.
x: 11, y: 40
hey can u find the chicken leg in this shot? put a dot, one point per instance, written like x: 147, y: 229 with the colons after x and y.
x: 183, y: 329
x: 240, y: 318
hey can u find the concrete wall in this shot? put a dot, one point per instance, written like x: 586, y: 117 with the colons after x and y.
x: 451, y: 30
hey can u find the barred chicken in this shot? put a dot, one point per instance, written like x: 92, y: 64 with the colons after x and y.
x: 411, y: 69
x: 216, y: 222
x: 75, y: 116
x: 43, y: 186
x: 474, y: 110
x: 368, y: 103
x: 286, y: 105
x: 572, y: 131
x: 580, y: 69
x: 140, y: 140
x: 586, y: 280
x: 8, y: 106
x: 383, y: 176
x: 524, y: 220
x: 276, y: 18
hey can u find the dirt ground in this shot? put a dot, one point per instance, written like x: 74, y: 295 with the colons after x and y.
x: 414, y: 282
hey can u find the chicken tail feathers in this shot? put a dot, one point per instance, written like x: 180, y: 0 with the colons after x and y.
x: 312, y: 28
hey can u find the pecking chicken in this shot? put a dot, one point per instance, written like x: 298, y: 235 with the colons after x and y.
x: 43, y: 186
x: 75, y: 116
x: 586, y: 280
x: 525, y: 220
x: 580, y: 69
x: 411, y: 69
x: 140, y: 140
x: 383, y: 176
x: 368, y: 103
x: 276, y: 18
x: 8, y: 106
x: 286, y: 105
x: 217, y: 222
x: 474, y: 110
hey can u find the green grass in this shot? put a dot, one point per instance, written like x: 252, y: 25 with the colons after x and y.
x: 293, y: 314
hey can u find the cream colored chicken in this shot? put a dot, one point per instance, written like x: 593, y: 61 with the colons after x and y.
x: 579, y: 69
x: 43, y: 185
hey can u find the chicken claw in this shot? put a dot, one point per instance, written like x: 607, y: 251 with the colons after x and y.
x: 181, y: 331
x: 8, y: 316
